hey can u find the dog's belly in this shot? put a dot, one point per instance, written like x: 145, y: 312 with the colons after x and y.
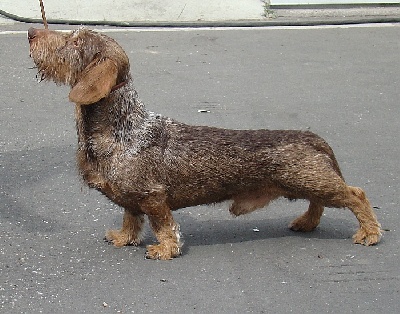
x: 206, y: 188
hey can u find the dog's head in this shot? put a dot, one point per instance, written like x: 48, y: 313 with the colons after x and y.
x: 91, y: 63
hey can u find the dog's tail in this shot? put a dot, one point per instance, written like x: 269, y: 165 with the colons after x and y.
x: 321, y: 145
x: 335, y: 165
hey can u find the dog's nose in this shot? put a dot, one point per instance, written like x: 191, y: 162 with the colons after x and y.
x: 32, y: 32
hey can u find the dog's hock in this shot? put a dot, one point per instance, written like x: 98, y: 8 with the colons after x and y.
x: 96, y: 83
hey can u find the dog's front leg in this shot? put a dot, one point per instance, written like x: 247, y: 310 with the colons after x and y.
x: 163, y: 225
x: 130, y: 233
x: 168, y: 234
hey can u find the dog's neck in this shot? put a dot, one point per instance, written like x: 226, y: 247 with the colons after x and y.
x: 119, y: 118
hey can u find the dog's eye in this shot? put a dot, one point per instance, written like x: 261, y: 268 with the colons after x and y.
x: 75, y: 43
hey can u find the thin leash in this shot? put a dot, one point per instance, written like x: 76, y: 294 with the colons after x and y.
x: 46, y: 26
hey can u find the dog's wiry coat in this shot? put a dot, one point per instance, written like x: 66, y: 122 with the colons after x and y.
x: 151, y: 165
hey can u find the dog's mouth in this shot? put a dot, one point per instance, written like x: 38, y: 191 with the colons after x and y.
x: 44, y: 48
x: 33, y: 44
x: 44, y: 70
x: 31, y: 40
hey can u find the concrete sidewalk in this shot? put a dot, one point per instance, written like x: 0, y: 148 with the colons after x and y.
x: 139, y: 10
x: 189, y: 13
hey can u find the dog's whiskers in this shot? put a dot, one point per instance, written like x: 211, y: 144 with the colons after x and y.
x: 40, y: 76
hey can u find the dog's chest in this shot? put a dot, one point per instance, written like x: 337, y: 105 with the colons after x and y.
x: 108, y: 131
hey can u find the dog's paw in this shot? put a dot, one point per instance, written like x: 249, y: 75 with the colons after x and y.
x: 303, y: 224
x: 162, y: 251
x: 119, y: 238
x: 366, y: 237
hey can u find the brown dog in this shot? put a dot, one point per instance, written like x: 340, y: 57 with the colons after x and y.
x: 151, y: 165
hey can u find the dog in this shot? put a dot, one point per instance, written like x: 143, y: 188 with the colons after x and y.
x: 152, y: 165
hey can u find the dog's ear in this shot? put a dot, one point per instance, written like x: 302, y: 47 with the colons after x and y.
x: 96, y: 83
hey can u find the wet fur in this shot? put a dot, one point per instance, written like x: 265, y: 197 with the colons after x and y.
x: 152, y: 165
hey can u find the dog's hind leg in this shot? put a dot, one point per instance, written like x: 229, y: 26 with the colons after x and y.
x: 316, y: 178
x: 309, y: 220
x: 370, y: 229
x: 166, y: 230
x: 130, y: 233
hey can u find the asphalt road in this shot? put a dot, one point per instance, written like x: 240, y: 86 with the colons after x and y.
x: 342, y: 83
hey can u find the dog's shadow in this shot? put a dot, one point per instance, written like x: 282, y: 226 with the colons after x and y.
x: 256, y: 226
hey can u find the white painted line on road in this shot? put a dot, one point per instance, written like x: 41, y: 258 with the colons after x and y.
x: 12, y: 32
x: 25, y: 32
x: 197, y: 29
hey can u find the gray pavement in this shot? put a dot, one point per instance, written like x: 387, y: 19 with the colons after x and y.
x: 191, y: 13
x: 340, y: 82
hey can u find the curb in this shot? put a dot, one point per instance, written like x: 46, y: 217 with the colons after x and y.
x: 310, y: 21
